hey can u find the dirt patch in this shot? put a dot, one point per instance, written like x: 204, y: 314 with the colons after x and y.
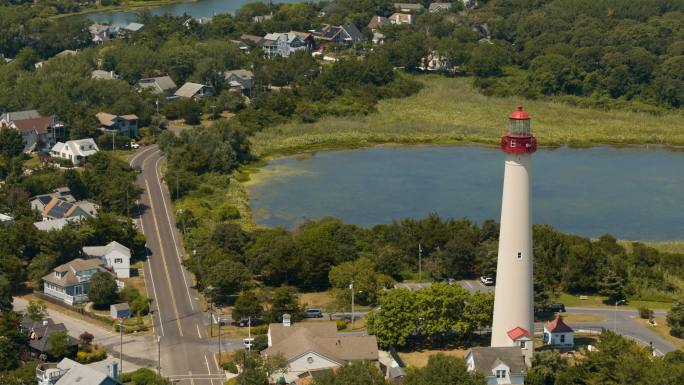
x: 420, y: 358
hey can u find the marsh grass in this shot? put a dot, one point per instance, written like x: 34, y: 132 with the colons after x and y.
x: 451, y: 111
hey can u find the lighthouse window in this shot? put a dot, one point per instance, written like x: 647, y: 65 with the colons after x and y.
x: 512, y: 143
x: 519, y: 255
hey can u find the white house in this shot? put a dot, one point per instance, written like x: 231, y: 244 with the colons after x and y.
x: 114, y: 256
x: 194, y: 90
x: 69, y: 282
x: 499, y: 365
x: 69, y: 372
x: 558, y: 333
x: 75, y: 150
x: 309, y: 347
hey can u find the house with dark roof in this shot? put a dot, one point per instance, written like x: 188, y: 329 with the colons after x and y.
x: 69, y: 282
x: 57, y: 208
x: 160, y: 85
x: 499, y: 365
x: 311, y: 347
x: 37, y: 131
x: 38, y: 333
x: 557, y: 333
x: 342, y: 34
x: 122, y: 125
x: 39, y: 202
x: 286, y: 43
x: 378, y: 22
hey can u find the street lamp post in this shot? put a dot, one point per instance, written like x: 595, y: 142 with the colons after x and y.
x: 615, y: 315
x: 351, y: 286
x: 159, y: 355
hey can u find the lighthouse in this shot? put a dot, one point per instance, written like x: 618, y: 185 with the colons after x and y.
x: 513, y: 323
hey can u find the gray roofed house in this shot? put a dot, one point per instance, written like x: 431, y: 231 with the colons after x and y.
x: 343, y: 34
x: 310, y: 346
x: 158, y: 85
x: 39, y: 202
x: 193, y: 90
x: 104, y: 75
x: 114, y: 255
x: 499, y: 365
x: 54, y: 224
x: 38, y: 333
x: 19, y: 115
x: 69, y: 282
x: 123, y: 125
x: 75, y: 150
x: 69, y: 372
x: 439, y: 7
x: 243, y: 78
x: 58, y: 209
x: 133, y: 27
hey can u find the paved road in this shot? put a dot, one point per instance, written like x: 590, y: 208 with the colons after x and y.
x: 177, y: 318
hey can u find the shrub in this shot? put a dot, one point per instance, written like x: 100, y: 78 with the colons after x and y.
x: 91, y: 353
x: 86, y: 338
x: 261, y: 329
x: 341, y: 324
x: 260, y: 342
x: 140, y: 306
x: 645, y: 313
x: 230, y: 367
x: 227, y: 212
x: 63, y: 162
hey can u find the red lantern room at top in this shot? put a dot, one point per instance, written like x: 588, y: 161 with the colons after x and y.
x: 518, y: 138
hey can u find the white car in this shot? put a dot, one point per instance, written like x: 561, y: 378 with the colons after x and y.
x: 487, y: 281
x: 135, y: 145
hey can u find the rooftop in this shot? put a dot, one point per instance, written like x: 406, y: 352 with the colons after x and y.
x: 485, y: 359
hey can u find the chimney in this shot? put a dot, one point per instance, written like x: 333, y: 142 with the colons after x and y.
x: 287, y: 320
x: 113, y: 370
x: 45, y: 322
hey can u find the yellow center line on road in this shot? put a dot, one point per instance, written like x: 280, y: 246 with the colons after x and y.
x: 166, y: 268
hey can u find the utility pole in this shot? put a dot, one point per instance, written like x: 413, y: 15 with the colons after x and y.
x: 113, y: 145
x: 121, y: 346
x: 615, y: 315
x: 420, y: 263
x: 219, y: 339
x: 351, y: 286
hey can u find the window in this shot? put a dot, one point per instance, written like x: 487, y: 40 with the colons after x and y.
x: 310, y: 360
x: 118, y: 260
x: 501, y: 374
x: 523, y: 345
x: 562, y: 338
x: 519, y: 255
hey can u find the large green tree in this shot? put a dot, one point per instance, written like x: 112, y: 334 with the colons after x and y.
x: 442, y: 369
x: 356, y: 373
x: 102, y: 289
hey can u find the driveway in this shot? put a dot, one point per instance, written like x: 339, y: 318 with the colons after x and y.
x: 138, y: 351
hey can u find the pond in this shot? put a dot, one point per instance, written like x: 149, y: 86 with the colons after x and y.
x: 201, y: 8
x: 629, y: 193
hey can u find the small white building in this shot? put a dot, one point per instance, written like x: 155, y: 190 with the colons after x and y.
x: 558, y: 333
x: 499, y: 365
x: 75, y: 150
x: 114, y: 256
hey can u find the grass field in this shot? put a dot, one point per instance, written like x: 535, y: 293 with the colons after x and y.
x: 572, y: 317
x: 570, y: 300
x: 419, y: 359
x: 664, y: 331
x: 451, y: 111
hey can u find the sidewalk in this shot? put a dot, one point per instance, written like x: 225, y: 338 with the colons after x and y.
x: 138, y: 351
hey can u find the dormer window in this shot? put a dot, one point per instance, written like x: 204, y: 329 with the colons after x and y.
x: 501, y: 373
x: 523, y: 344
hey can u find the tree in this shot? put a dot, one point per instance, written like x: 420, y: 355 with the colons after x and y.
x: 612, y: 287
x: 443, y: 370
x: 367, y: 282
x: 356, y: 373
x: 58, y: 345
x: 86, y: 338
x: 396, y: 320
x: 256, y: 368
x: 5, y: 294
x: 487, y: 60
x: 284, y: 300
x: 11, y: 143
x: 145, y: 376
x: 102, y: 289
x: 247, y: 305
x: 226, y: 279
x: 36, y: 310
x: 546, y: 365
x: 675, y: 319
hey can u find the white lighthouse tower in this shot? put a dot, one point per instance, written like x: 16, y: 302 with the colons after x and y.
x: 513, y: 323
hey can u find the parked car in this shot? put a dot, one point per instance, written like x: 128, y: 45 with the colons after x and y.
x: 313, y: 312
x: 487, y: 281
x: 135, y: 145
x: 555, y: 308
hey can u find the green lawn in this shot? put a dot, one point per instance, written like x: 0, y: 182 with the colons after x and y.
x: 451, y: 111
x: 571, y: 300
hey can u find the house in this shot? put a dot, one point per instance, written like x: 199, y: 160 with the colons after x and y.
x: 104, y: 75
x: 133, y: 27
x: 162, y: 85
x: 54, y: 224
x: 391, y: 365
x: 558, y: 333
x: 378, y: 38
x: 254, y: 39
x: 121, y: 125
x: 439, y: 7
x: 114, y: 256
x: 69, y: 282
x: 499, y: 365
x: 75, y: 150
x: 239, y: 80
x: 193, y: 90
x: 262, y: 18
x: 401, y: 18
x: 285, y: 44
x: 69, y: 372
x: 242, y: 46
x: 378, y: 22
x: 408, y: 7
x: 523, y: 339
x: 37, y: 131
x: 99, y: 33
x: 310, y: 347
x: 120, y: 311
x: 60, y: 209
x: 39, y: 202
x: 435, y: 61
x: 65, y: 53
x: 6, y: 219
x: 343, y: 34
x: 38, y: 332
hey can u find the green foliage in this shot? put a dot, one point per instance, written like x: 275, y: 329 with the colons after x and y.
x: 5, y: 294
x: 283, y: 300
x: 546, y: 365
x: 139, y: 303
x: 111, y: 183
x: 257, y: 368
x: 102, y: 289
x: 367, y: 281
x: 144, y: 376
x: 247, y: 305
x: 645, y: 313
x: 675, y: 319
x: 36, y: 310
x: 58, y: 345
x: 90, y: 353
x: 612, y: 287
x: 225, y: 280
x: 442, y: 369
x: 356, y: 373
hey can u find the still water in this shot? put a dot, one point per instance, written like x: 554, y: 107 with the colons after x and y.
x: 630, y: 193
x: 201, y: 8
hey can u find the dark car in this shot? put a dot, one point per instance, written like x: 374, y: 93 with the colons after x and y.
x: 555, y: 308
x: 313, y: 313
